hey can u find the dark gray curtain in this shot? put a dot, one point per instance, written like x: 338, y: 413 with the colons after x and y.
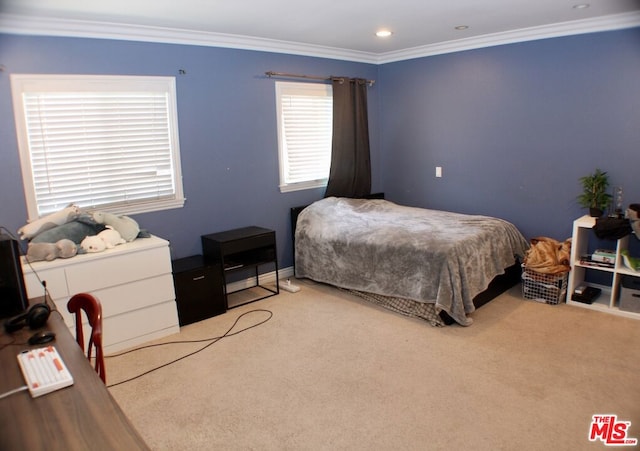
x: 350, y: 173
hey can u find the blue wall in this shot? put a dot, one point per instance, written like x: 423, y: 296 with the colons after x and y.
x: 514, y: 127
x: 227, y: 121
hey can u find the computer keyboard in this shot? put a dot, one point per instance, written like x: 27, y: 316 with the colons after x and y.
x: 44, y: 371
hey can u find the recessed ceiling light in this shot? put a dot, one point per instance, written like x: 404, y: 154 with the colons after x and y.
x: 461, y: 27
x: 383, y: 33
x: 581, y: 6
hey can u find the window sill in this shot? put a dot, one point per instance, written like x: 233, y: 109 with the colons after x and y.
x: 303, y: 185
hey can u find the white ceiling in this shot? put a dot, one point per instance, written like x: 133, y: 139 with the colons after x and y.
x: 344, y: 29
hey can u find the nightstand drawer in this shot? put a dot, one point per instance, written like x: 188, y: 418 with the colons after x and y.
x: 217, y: 246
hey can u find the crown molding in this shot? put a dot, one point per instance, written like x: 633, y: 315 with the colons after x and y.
x: 603, y: 23
x: 40, y: 26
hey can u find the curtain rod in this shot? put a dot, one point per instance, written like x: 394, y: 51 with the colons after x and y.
x: 308, y: 77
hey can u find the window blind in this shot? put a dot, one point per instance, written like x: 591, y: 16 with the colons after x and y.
x: 305, y: 115
x: 110, y: 150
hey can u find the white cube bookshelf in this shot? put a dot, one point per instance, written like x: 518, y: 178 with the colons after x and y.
x: 608, y: 300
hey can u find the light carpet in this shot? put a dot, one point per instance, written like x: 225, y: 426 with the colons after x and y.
x: 329, y: 371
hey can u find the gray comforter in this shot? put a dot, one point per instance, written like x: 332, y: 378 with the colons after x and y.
x: 380, y: 247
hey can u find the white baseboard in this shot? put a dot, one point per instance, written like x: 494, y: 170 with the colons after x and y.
x: 268, y: 278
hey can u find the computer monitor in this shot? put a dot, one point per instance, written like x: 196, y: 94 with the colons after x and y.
x: 13, y: 294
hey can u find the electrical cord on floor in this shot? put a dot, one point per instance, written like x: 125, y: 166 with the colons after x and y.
x: 212, y: 341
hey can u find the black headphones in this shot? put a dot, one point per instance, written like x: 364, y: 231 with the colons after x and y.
x: 35, y: 318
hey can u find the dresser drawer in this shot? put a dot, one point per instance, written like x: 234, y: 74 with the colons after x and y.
x: 136, y: 295
x: 119, y: 270
x: 132, y: 328
x: 55, y: 279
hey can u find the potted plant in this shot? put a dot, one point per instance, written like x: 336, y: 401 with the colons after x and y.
x: 594, y: 193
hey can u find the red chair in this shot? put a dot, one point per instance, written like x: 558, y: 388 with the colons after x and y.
x: 93, y: 310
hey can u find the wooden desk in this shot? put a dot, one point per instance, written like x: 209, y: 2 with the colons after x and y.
x: 80, y: 417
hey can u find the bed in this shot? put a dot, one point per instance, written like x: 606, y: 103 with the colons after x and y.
x: 432, y: 264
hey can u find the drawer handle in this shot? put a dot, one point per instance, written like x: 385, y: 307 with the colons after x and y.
x: 198, y: 278
x: 635, y: 295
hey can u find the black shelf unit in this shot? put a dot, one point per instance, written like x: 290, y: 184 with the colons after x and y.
x: 199, y: 291
x: 247, y: 249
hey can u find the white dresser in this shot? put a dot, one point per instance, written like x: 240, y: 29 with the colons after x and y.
x: 133, y: 281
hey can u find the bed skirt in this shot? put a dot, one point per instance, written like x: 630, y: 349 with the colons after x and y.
x: 429, y: 312
x: 407, y: 307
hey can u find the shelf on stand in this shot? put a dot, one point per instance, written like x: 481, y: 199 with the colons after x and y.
x: 249, y: 250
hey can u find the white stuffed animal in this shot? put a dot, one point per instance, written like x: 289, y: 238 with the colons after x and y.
x: 107, y: 239
x: 111, y: 237
x: 93, y: 243
x: 49, y: 222
x: 126, y: 226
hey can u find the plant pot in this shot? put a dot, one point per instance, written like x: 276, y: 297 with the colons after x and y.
x: 595, y: 212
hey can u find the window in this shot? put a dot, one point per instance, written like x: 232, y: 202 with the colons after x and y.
x: 108, y: 143
x: 305, y: 114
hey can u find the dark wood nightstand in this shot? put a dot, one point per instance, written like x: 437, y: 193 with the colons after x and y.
x: 249, y: 250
